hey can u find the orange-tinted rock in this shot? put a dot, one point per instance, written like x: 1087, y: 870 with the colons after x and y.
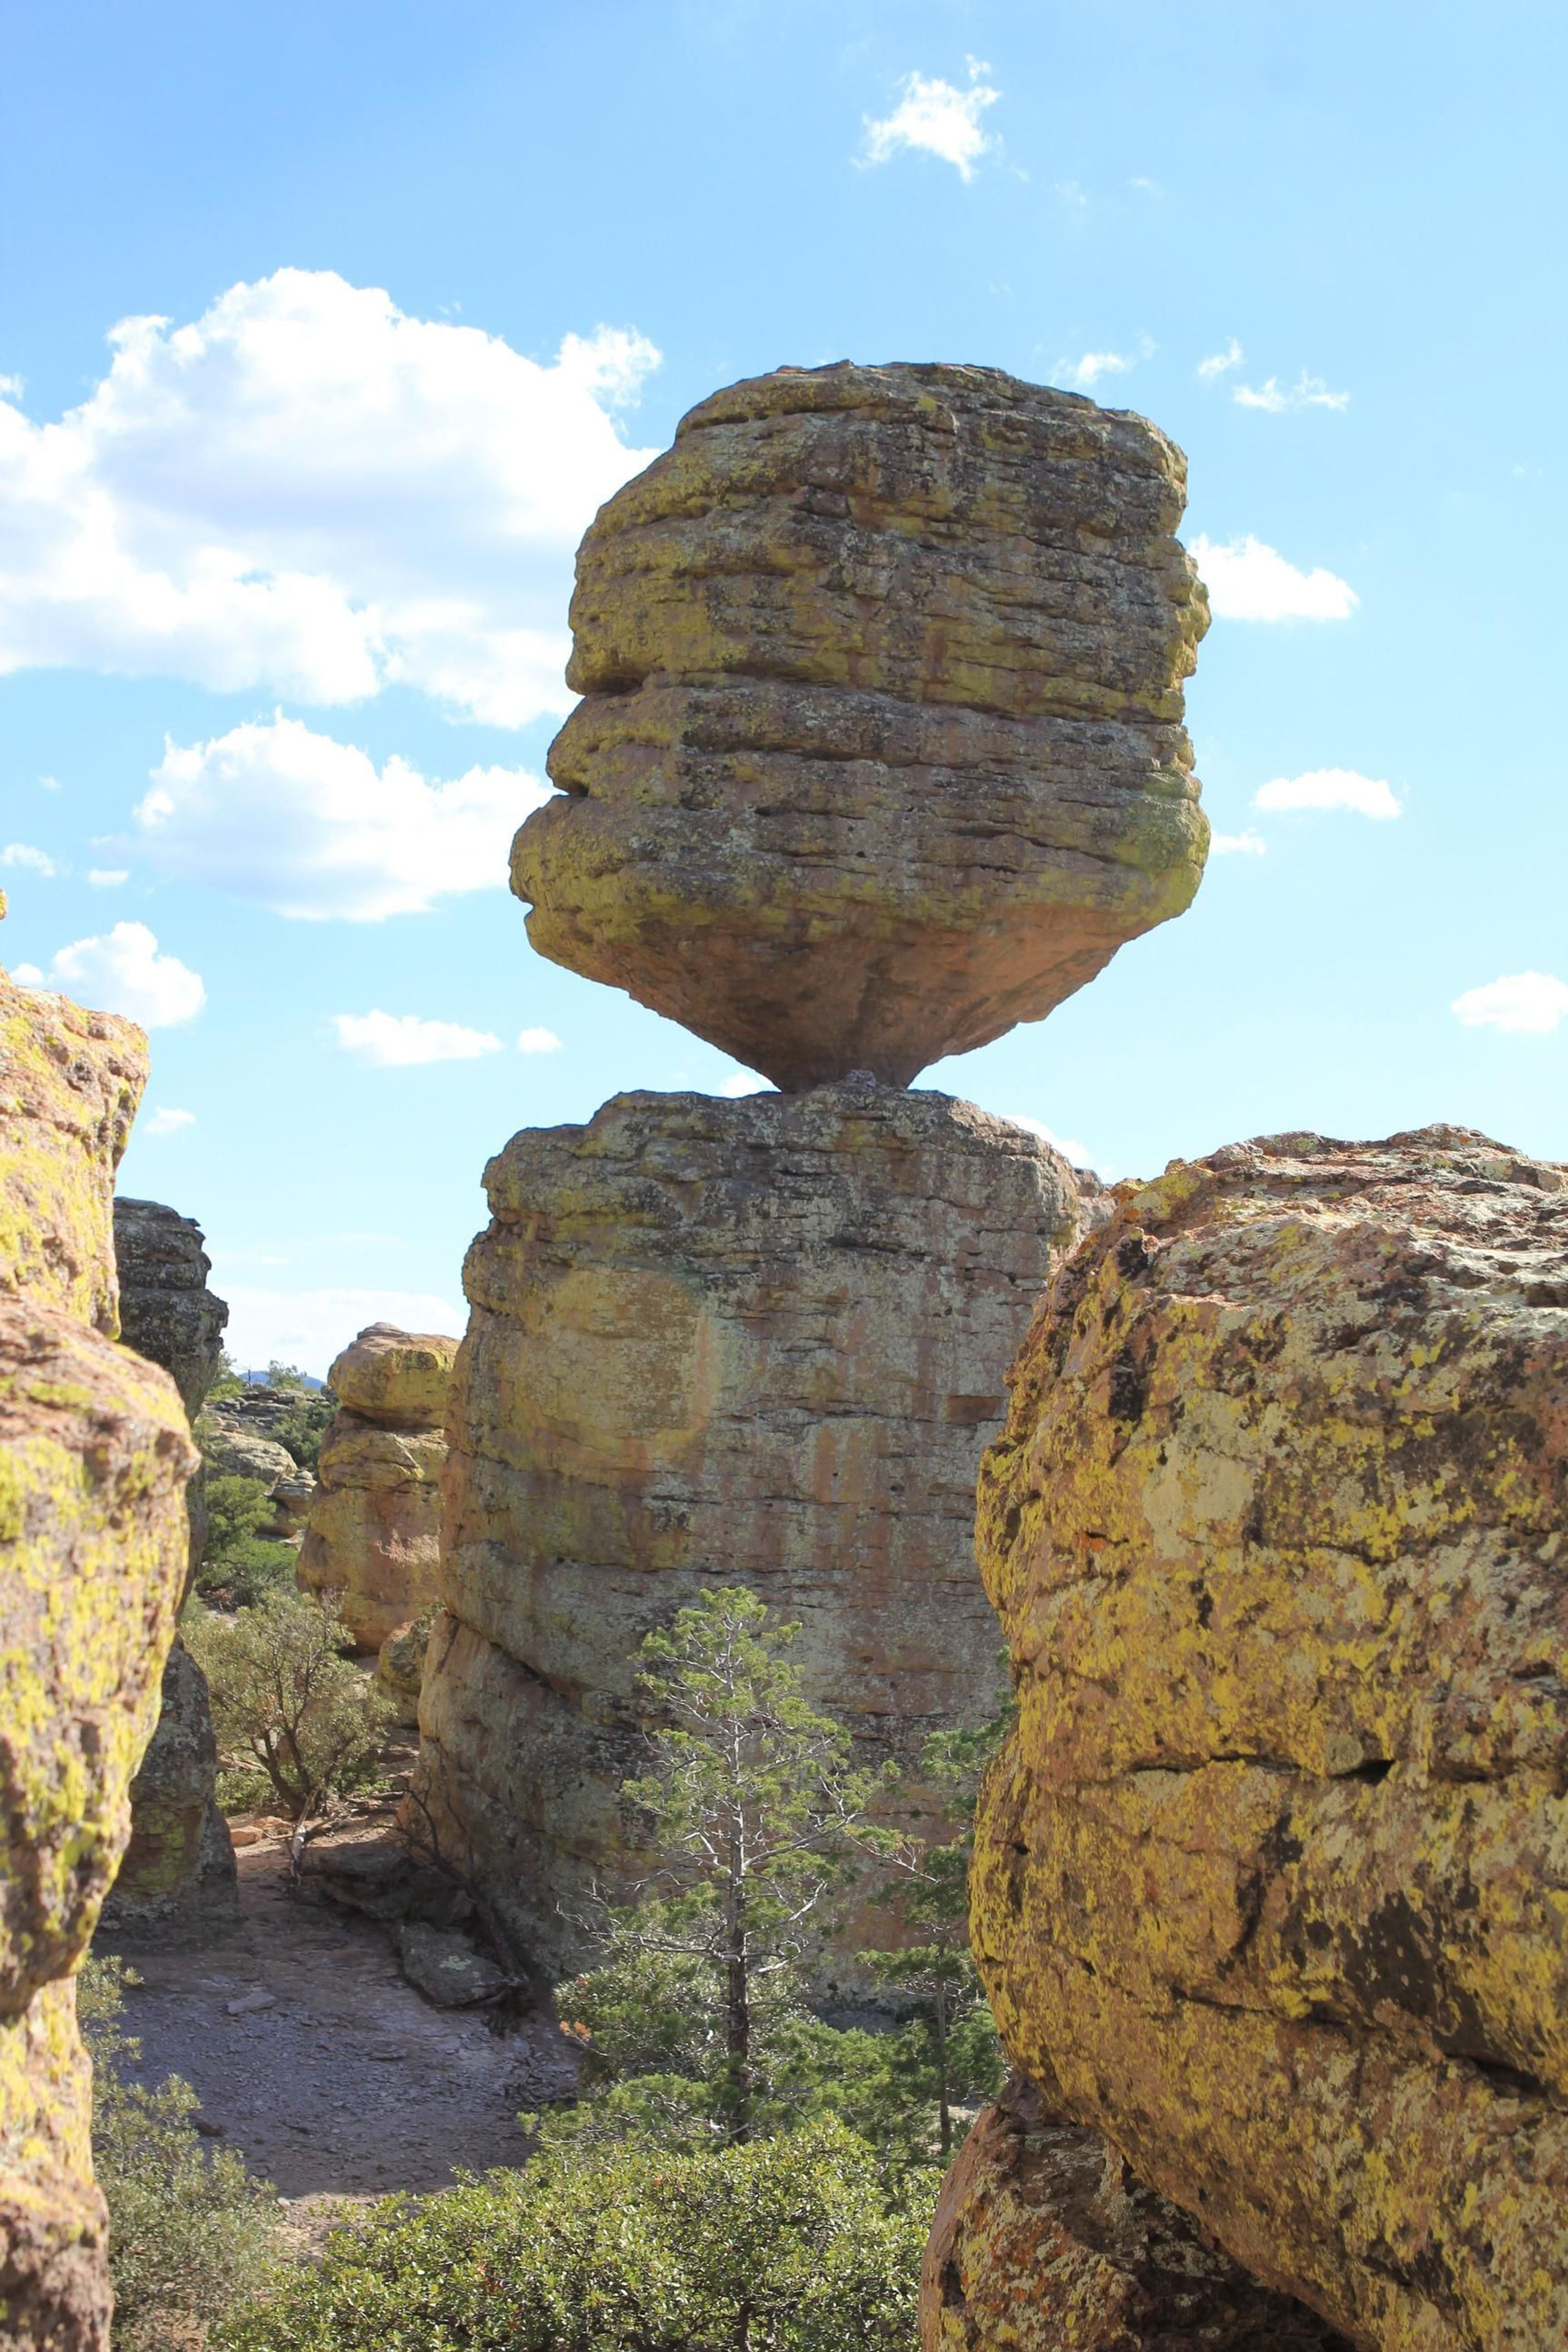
x: 880, y: 747
x: 397, y: 1378
x: 1273, y: 1877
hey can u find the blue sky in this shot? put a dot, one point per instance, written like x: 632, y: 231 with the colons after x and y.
x: 283, y: 577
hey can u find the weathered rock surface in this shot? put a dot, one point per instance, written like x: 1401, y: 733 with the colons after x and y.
x: 880, y: 747
x: 1043, y: 2242
x: 374, y: 1528
x: 400, y: 1666
x: 239, y: 1453
x: 69, y: 1085
x: 447, y: 1968
x: 94, y: 1456
x: 1273, y: 1877
x: 166, y: 1311
x: 757, y: 1340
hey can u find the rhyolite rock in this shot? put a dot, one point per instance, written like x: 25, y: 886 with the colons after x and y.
x: 716, y: 1341
x: 1044, y: 2242
x: 400, y: 1666
x: 374, y: 1527
x: 166, y: 1311
x: 880, y: 744
x: 1272, y: 1879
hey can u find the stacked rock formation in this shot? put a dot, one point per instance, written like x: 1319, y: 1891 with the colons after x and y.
x: 879, y: 751
x: 374, y: 1528
x: 94, y: 1457
x: 177, y: 1881
x: 880, y: 746
x: 1271, y: 1883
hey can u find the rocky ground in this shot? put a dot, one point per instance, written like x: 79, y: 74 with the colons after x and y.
x: 332, y: 2076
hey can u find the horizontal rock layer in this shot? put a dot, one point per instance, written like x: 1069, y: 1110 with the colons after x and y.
x: 880, y: 747
x: 166, y: 1311
x: 1273, y: 1877
x: 758, y: 1340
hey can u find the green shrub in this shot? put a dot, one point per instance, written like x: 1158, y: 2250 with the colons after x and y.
x: 191, y: 2233
x: 287, y: 1702
x: 301, y: 1425
x: 791, y: 2245
x: 238, y: 1564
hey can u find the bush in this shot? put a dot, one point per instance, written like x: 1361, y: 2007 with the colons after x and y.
x: 238, y: 1564
x: 303, y: 1422
x: 191, y: 2233
x: 284, y: 1697
x: 793, y: 2244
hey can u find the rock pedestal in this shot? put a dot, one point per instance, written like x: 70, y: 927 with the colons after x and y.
x: 1272, y: 1879
x: 374, y: 1528
x: 880, y: 747
x: 718, y: 1341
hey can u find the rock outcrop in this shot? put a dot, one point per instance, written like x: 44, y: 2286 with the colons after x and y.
x: 94, y: 1457
x: 1272, y: 1879
x: 880, y: 747
x: 374, y: 1528
x: 716, y: 1341
x: 166, y: 1311
x: 1044, y: 2242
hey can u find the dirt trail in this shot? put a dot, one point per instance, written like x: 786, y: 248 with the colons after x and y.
x: 334, y: 2076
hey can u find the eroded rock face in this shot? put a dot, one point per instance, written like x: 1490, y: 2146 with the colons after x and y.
x: 69, y: 1085
x: 719, y: 1341
x: 166, y: 1311
x: 880, y: 747
x: 1272, y: 1879
x: 1043, y: 2242
x: 374, y: 1528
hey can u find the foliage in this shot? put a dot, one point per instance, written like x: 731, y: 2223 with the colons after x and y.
x: 190, y: 2231
x: 789, y: 2244
x: 286, y: 1698
x: 239, y: 1563
x: 229, y: 1380
x: 284, y: 1376
x: 303, y: 1422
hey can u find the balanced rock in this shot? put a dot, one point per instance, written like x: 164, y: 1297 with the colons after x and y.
x: 756, y: 1341
x: 1272, y: 1879
x: 374, y: 1528
x: 1043, y: 2242
x: 880, y: 747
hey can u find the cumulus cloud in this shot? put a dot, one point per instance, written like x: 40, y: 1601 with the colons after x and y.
x: 1308, y: 392
x: 743, y: 1083
x: 107, y: 877
x: 935, y: 118
x: 1328, y: 788
x: 308, y: 1328
x: 308, y: 490
x: 538, y: 1041
x: 124, y: 972
x: 1077, y: 1154
x: 1528, y: 1002
x: 165, y: 1121
x: 22, y: 852
x: 397, y: 1041
x: 1250, y: 581
x: 1221, y: 363
x: 307, y: 826
x: 1238, y: 845
x: 1082, y: 375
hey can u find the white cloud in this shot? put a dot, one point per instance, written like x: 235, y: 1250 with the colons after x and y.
x: 397, y: 1041
x: 1234, y: 844
x: 538, y: 1041
x: 937, y: 118
x: 1081, y: 375
x: 308, y: 1328
x: 305, y: 826
x: 1308, y: 392
x: 1077, y: 1154
x: 163, y: 1121
x: 1328, y: 788
x: 22, y: 852
x: 308, y: 490
x: 1220, y: 363
x: 1250, y: 581
x: 107, y: 877
x: 48, y: 783
x: 1531, y: 1003
x: 743, y: 1083
x: 124, y: 972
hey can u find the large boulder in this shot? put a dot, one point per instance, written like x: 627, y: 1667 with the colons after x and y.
x: 756, y: 1341
x: 373, y: 1532
x: 166, y: 1311
x: 1044, y: 2242
x: 1272, y: 1880
x: 880, y: 747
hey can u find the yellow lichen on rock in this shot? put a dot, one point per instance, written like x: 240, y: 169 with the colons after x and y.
x: 69, y: 1085
x: 1273, y: 1877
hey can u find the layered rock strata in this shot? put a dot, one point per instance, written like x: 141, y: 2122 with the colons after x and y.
x: 758, y: 1340
x: 880, y: 747
x: 374, y: 1528
x: 1272, y: 1879
x: 1044, y: 2242
x: 166, y: 1311
x: 94, y: 1457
